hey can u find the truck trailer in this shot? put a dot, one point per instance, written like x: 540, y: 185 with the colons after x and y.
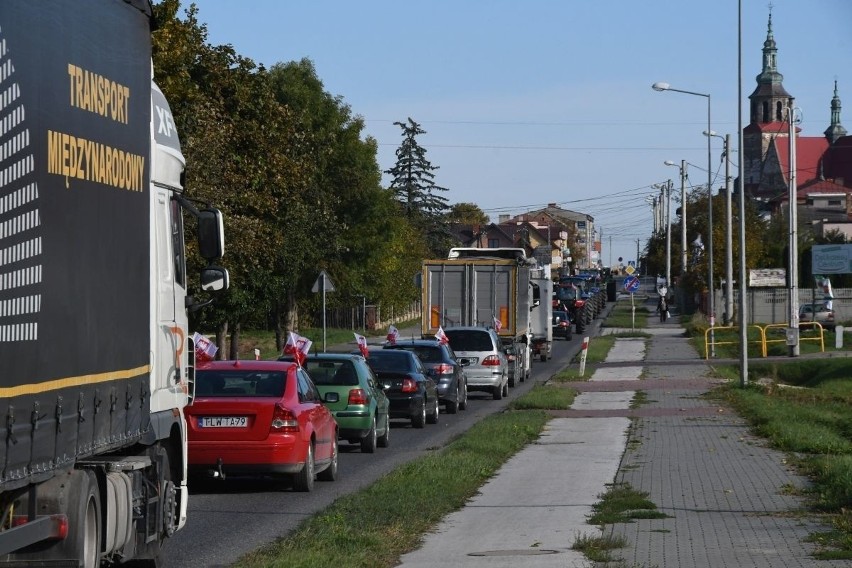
x: 541, y: 318
x: 487, y: 288
x: 98, y: 361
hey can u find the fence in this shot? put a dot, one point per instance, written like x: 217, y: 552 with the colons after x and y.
x: 770, y: 305
x: 369, y: 317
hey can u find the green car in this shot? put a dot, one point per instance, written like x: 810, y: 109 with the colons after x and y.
x: 362, y: 407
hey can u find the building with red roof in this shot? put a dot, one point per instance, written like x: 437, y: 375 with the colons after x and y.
x: 823, y: 164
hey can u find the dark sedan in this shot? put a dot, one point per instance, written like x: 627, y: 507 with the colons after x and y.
x: 412, y: 393
x: 562, y: 325
x: 442, y: 366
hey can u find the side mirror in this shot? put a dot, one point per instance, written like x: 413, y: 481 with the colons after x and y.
x: 214, y: 279
x: 211, y: 234
x: 331, y: 397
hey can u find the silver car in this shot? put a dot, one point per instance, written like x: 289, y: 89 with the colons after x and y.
x: 479, y: 350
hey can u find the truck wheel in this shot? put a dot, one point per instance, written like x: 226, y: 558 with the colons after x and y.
x: 84, y: 519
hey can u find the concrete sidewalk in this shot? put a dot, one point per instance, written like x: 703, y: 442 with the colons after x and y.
x: 726, y: 495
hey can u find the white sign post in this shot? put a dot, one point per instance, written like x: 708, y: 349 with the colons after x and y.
x: 583, y: 354
x: 323, y: 284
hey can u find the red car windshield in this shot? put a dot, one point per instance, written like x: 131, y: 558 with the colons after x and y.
x: 239, y: 383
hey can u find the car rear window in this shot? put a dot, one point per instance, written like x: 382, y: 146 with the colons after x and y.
x: 341, y: 373
x: 469, y: 340
x: 426, y: 353
x: 390, y: 360
x: 240, y: 383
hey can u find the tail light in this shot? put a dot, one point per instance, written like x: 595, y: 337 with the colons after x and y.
x: 563, y: 323
x: 510, y: 357
x: 357, y: 397
x: 409, y: 385
x: 491, y: 361
x: 443, y: 369
x: 580, y: 303
x: 283, y: 419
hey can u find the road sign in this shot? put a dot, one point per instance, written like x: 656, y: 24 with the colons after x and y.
x: 323, y: 283
x: 631, y: 284
x: 629, y: 269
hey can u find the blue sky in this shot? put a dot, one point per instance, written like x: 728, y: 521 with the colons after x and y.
x: 532, y: 102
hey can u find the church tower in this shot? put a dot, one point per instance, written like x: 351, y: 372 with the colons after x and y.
x: 835, y: 130
x: 770, y: 103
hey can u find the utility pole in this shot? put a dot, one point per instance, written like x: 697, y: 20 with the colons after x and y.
x: 793, y: 275
x: 669, y: 234
x: 729, y: 249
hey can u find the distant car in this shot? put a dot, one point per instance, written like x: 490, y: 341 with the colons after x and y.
x: 362, y: 409
x: 442, y: 365
x: 411, y: 391
x: 481, y: 353
x: 261, y: 417
x: 562, y: 325
x: 817, y: 313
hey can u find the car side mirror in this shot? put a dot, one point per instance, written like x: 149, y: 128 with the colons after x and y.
x: 331, y: 397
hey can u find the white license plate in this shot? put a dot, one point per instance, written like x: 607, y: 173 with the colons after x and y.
x: 223, y: 422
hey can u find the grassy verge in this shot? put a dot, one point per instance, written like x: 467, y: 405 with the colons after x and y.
x: 805, y: 408
x: 623, y: 316
x: 375, y: 526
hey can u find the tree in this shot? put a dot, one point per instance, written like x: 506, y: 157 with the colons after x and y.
x: 468, y: 214
x: 414, y: 186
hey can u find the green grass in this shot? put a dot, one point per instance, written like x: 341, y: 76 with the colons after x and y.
x: 621, y: 315
x: 804, y: 407
x: 546, y: 397
x: 265, y: 340
x: 621, y: 504
x: 598, y: 548
x: 375, y: 526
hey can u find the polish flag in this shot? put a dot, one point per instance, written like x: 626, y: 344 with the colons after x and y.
x: 362, y: 345
x: 393, y: 335
x: 498, y: 325
x: 441, y: 336
x: 205, y: 349
x: 298, y: 347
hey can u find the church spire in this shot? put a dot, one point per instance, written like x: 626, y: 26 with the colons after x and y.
x: 835, y: 130
x: 769, y: 100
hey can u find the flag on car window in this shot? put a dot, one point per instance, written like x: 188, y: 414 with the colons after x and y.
x: 393, y: 335
x: 441, y: 336
x: 498, y: 325
x: 298, y: 347
x: 362, y: 344
x: 205, y: 349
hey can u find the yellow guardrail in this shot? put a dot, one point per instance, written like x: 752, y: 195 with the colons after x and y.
x: 763, y: 342
x: 712, y: 331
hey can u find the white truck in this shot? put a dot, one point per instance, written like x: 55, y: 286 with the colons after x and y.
x: 541, y: 317
x: 98, y: 361
x: 483, y: 287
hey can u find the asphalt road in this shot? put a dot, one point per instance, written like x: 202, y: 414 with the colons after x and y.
x: 230, y: 518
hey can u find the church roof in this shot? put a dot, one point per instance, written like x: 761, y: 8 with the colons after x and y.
x: 809, y: 152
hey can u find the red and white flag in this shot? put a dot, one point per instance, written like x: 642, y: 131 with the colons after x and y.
x: 441, y: 336
x: 362, y: 345
x: 498, y: 325
x: 298, y: 347
x: 205, y: 349
x: 393, y: 335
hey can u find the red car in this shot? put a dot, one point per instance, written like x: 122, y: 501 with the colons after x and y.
x: 261, y: 417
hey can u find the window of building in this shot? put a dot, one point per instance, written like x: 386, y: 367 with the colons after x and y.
x: 493, y: 243
x: 834, y: 203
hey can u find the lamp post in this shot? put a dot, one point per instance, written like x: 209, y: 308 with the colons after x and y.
x: 729, y: 250
x: 710, y: 303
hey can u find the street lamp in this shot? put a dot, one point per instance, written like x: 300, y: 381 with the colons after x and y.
x: 729, y: 250
x: 710, y: 303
